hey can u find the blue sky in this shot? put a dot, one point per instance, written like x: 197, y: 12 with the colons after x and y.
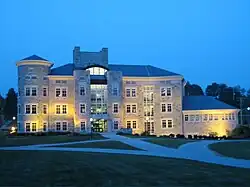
x: 204, y: 40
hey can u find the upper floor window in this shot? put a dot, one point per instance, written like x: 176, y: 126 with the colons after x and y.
x: 81, y: 90
x: 45, y: 91
x: 31, y: 109
x: 31, y: 91
x: 82, y: 108
x: 96, y: 71
x: 83, y: 125
x: 61, y: 109
x: 45, y: 109
x: 130, y: 92
x: 131, y: 108
x: 115, y: 90
x: 186, y: 117
x: 115, y: 124
x: 61, y: 92
x: 166, y: 91
x: 115, y: 108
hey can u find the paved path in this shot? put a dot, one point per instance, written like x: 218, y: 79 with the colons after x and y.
x: 197, y: 151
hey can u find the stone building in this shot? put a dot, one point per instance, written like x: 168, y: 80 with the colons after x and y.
x: 90, y: 92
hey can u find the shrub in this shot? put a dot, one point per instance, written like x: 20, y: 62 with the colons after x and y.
x: 213, y: 134
x: 180, y: 136
x: 195, y: 136
x: 145, y: 133
x: 190, y: 136
x: 241, y: 132
x: 200, y: 136
x: 136, y: 134
x: 171, y: 136
x: 204, y: 137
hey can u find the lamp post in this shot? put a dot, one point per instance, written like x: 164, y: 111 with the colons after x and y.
x: 14, y: 118
x: 91, y: 127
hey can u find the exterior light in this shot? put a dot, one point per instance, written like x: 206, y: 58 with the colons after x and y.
x: 91, y: 119
x: 14, y: 118
x: 248, y: 108
x: 13, y: 129
x: 147, y: 118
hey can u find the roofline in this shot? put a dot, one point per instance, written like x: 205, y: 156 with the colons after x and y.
x: 34, y: 62
x: 203, y: 110
x: 174, y: 77
x: 60, y: 76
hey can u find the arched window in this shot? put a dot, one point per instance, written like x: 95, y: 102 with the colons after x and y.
x: 96, y: 71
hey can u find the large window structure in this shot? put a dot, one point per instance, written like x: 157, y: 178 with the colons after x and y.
x: 98, y: 99
x: 96, y: 71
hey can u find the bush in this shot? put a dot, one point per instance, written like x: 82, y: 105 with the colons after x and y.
x: 145, y: 133
x: 180, y: 136
x: 136, y: 134
x: 195, y: 136
x: 190, y: 136
x: 213, y: 134
x: 200, y: 136
x: 171, y: 136
x: 120, y: 133
x: 241, y: 132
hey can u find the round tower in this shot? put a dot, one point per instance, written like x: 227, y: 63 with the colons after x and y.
x: 33, y: 94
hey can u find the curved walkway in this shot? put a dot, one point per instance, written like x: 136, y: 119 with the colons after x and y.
x: 197, y: 151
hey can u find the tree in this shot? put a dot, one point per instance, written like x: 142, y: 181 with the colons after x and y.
x: 2, y: 101
x: 10, y: 108
x: 193, y: 89
x: 213, y: 90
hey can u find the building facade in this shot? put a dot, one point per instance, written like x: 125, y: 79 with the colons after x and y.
x: 91, y: 93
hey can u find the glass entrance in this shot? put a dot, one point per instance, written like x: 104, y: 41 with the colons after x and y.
x: 99, y: 125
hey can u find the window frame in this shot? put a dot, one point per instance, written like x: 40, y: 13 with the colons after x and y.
x: 167, y: 121
x: 80, y: 111
x: 113, y: 108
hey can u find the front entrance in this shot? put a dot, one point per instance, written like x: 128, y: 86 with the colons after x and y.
x: 99, y: 125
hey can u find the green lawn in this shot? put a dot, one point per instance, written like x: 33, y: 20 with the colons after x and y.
x: 103, y: 145
x: 167, y: 142
x: 232, y: 149
x: 45, y: 168
x: 32, y: 140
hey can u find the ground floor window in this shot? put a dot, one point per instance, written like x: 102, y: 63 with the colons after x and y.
x: 134, y: 125
x: 58, y: 126
x: 115, y: 124
x: 27, y: 127
x: 64, y: 125
x: 83, y: 125
x: 45, y: 126
x: 128, y: 124
x: 33, y: 127
x: 61, y: 126
x: 166, y: 123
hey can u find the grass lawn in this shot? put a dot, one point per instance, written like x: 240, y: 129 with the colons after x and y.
x: 103, y: 145
x: 32, y: 140
x: 46, y: 168
x: 232, y: 149
x: 167, y: 142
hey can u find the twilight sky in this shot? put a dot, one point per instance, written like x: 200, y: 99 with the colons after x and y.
x: 204, y: 40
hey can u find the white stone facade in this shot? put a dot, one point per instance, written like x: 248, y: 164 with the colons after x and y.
x: 105, y: 100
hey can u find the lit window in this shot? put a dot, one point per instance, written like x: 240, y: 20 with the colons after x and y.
x: 64, y: 125
x: 230, y: 116
x: 44, y: 91
x: 33, y: 109
x: 128, y: 124
x: 215, y: 117
x: 197, y: 117
x: 192, y: 117
x: 27, y: 109
x: 58, y: 92
x: 186, y: 117
x: 58, y: 126
x: 205, y: 117
x: 82, y: 108
x: 64, y: 109
x: 163, y: 123
x: 163, y: 107
x: 82, y: 91
x: 128, y: 109
x: 210, y: 117
x: 58, y: 109
x: 134, y: 125
x: 115, y: 124
x: 170, y: 123
x: 226, y: 117
x: 169, y: 107
x: 45, y: 109
x: 33, y: 127
x: 64, y: 92
x: 27, y: 127
x: 163, y: 92
x: 27, y: 91
x: 169, y: 92
x: 115, y: 108
x: 83, y: 125
x: 45, y: 126
x: 233, y: 116
x: 96, y: 71
x: 133, y: 92
x: 222, y: 117
x: 133, y: 108
x: 33, y: 91
x: 127, y: 92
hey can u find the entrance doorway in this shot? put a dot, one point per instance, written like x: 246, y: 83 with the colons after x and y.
x: 99, y: 125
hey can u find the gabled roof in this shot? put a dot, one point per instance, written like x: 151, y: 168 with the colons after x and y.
x: 34, y: 57
x: 204, y: 103
x: 127, y: 70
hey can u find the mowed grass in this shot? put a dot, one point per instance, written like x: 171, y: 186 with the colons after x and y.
x: 32, y: 140
x: 232, y: 149
x: 167, y: 142
x: 46, y: 168
x: 103, y: 145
